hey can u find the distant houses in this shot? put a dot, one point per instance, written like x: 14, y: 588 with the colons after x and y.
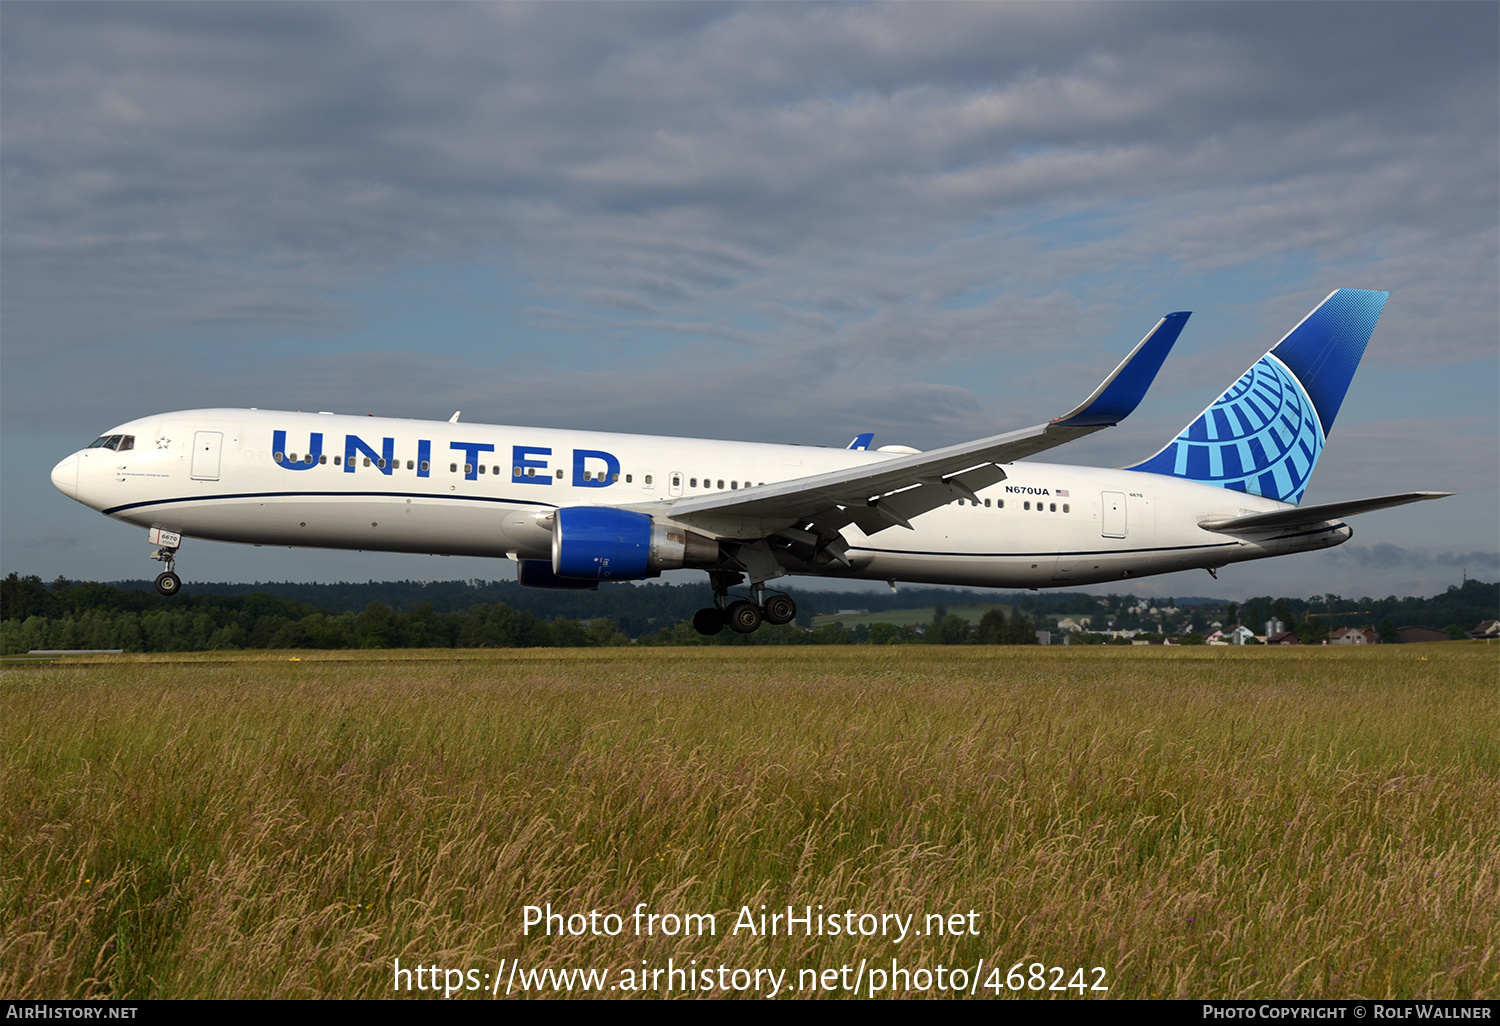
x: 1353, y: 636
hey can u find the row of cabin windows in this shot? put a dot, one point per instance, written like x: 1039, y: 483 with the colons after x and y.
x: 588, y: 475
x: 709, y: 483
x: 339, y: 461
x: 124, y: 442
x: 1025, y: 504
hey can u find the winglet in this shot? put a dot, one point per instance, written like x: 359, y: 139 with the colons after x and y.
x: 862, y: 440
x: 1120, y: 393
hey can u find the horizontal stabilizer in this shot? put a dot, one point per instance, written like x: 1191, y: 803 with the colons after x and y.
x: 1301, y: 516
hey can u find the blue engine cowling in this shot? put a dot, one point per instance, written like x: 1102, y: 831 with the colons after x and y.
x: 599, y: 543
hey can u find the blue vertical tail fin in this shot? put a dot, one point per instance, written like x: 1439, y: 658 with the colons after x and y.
x: 1264, y: 435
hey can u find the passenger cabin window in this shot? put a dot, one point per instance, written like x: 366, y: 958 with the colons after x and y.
x: 425, y: 465
x: 1027, y: 504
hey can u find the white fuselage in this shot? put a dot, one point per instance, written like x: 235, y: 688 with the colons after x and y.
x: 246, y: 476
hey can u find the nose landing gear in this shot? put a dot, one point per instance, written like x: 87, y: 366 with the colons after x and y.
x: 167, y: 582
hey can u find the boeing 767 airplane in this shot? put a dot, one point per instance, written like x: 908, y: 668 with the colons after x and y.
x: 574, y: 508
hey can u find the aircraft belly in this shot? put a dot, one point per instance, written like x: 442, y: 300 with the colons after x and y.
x: 981, y: 571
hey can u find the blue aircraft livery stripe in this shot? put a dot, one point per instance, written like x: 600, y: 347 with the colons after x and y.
x: 331, y: 495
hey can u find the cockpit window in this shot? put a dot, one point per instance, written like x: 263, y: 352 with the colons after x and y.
x: 119, y: 443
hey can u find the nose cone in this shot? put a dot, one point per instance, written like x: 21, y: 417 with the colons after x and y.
x: 65, y: 476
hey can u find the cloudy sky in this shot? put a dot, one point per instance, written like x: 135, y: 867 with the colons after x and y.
x: 774, y: 222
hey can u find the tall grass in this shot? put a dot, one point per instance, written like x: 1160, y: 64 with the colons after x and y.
x: 1209, y: 822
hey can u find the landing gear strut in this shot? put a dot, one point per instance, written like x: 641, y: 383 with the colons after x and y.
x: 741, y: 616
x: 167, y: 582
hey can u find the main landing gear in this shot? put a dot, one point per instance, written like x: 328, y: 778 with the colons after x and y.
x: 741, y: 616
x: 167, y: 582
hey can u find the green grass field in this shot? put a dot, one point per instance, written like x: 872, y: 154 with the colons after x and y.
x: 1195, y: 822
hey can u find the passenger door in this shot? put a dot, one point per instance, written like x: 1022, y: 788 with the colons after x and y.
x: 1114, y: 524
x: 207, y: 447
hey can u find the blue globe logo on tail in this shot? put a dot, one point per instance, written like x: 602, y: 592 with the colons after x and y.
x: 1264, y: 434
x: 1262, y: 437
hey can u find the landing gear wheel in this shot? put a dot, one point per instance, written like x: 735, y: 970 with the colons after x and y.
x: 708, y: 621
x: 780, y: 609
x: 168, y: 584
x: 744, y: 617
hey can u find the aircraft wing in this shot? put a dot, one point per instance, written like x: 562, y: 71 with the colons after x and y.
x: 1303, y: 516
x: 891, y: 492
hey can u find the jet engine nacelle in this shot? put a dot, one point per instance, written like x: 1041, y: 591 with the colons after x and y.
x: 598, y: 543
x: 537, y: 573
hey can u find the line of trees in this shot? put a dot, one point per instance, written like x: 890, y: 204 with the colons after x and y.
x: 64, y: 615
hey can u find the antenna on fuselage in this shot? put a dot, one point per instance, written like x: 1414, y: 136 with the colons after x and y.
x: 454, y: 419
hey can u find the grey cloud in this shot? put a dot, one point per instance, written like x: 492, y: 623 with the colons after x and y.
x: 1387, y: 556
x: 809, y: 209
x: 54, y: 537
